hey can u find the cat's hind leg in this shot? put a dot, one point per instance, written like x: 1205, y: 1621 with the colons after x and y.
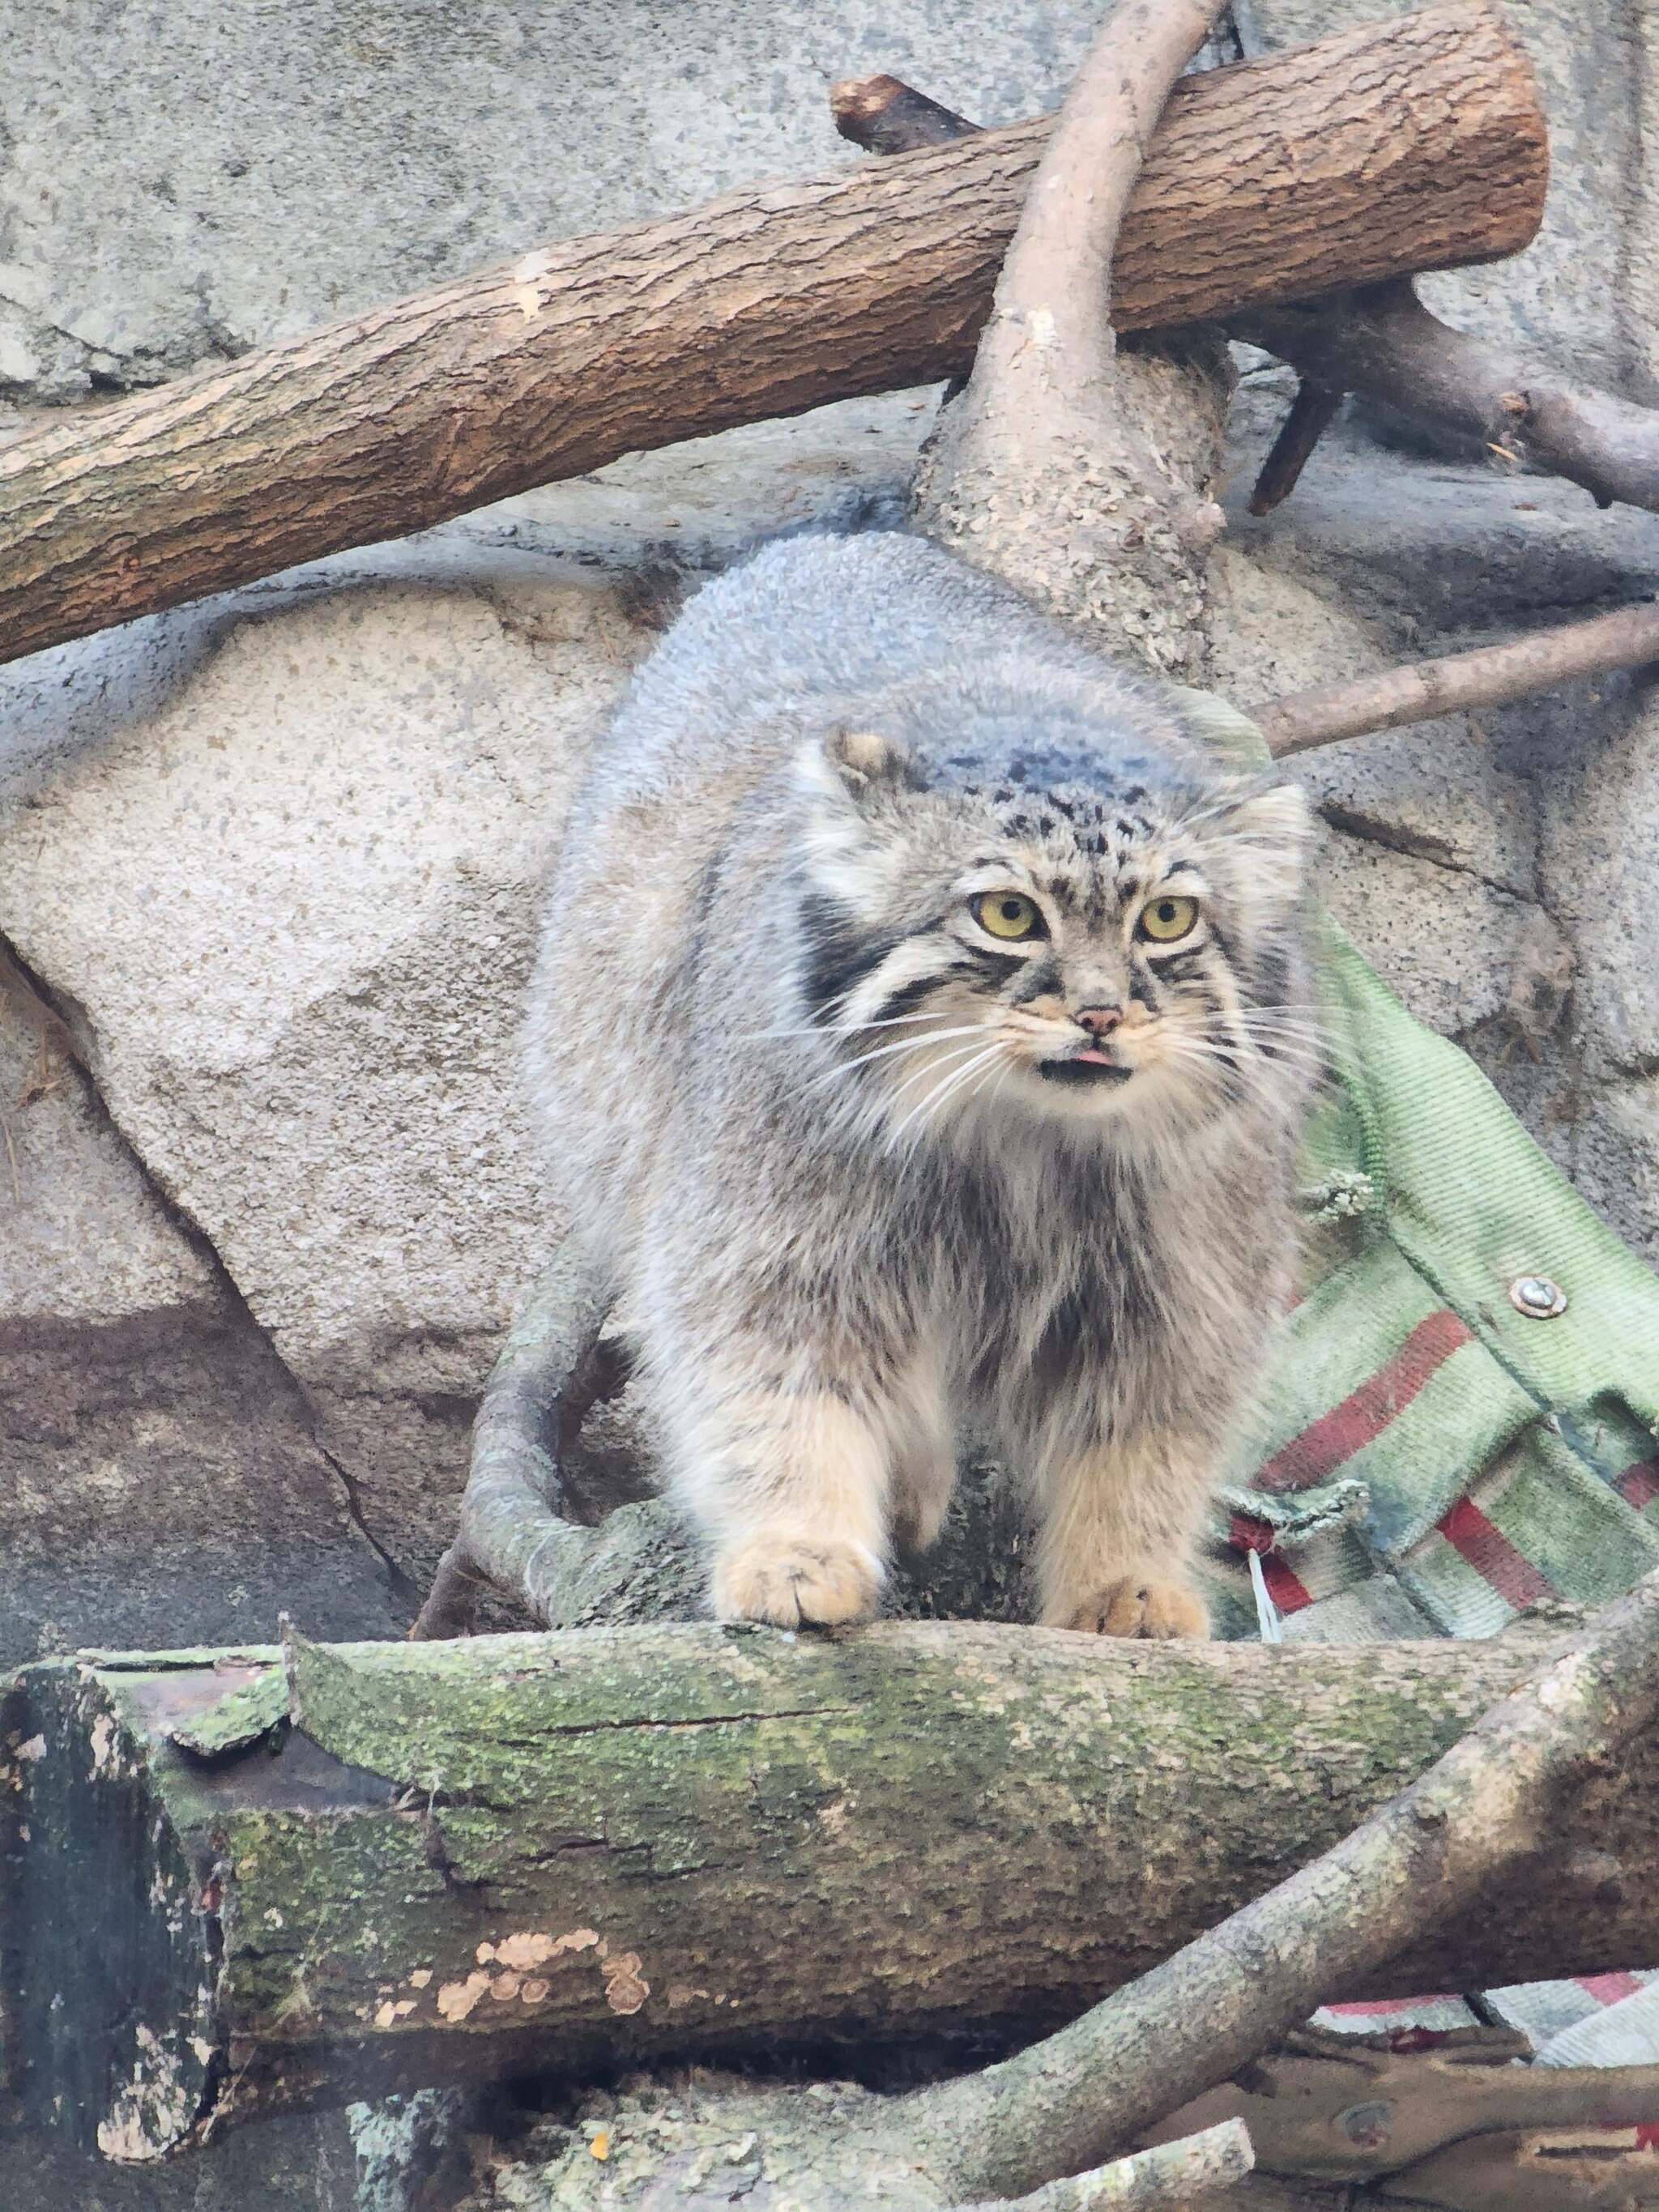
x: 924, y: 1455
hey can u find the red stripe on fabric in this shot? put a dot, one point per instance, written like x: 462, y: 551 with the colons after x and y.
x: 1384, y: 2005
x: 1490, y: 1553
x: 1284, y: 1586
x: 1647, y: 2135
x: 1365, y: 1413
x: 1245, y: 1534
x: 1284, y: 1590
x: 1608, y: 1989
x: 1638, y: 1486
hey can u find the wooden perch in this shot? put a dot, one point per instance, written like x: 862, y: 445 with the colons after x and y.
x: 612, y: 1845
x: 1411, y: 144
x: 1461, y: 683
x: 1383, y: 343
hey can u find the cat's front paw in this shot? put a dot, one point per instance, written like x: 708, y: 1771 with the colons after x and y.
x: 789, y: 1582
x: 1139, y: 1606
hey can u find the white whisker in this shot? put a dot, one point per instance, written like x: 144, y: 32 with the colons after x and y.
x: 930, y: 1105
x: 904, y: 1044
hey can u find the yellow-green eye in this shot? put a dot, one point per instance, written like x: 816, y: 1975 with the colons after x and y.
x: 1167, y: 919
x: 1006, y: 914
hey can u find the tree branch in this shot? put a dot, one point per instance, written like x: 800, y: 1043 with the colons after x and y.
x: 885, y: 116
x: 774, y: 300
x: 1425, y: 1858
x: 1300, y: 2102
x: 1177, y: 2172
x: 1383, y: 343
x: 1461, y: 683
x: 197, y: 1847
x: 1312, y: 412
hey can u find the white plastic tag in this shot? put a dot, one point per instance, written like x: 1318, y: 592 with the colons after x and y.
x: 1269, y: 1618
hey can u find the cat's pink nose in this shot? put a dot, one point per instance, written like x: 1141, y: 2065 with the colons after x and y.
x: 1099, y: 1021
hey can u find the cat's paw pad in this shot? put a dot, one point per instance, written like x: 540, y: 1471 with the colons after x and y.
x: 790, y: 1582
x: 1137, y: 1606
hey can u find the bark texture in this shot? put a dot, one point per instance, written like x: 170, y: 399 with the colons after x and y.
x: 459, y: 1857
x: 1461, y: 683
x: 1384, y: 343
x: 1418, y: 143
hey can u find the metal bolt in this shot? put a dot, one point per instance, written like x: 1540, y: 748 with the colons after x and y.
x: 1537, y: 1298
x: 1368, y: 2126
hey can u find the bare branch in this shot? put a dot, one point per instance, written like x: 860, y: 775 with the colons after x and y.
x: 1175, y: 2173
x: 1427, y: 1856
x: 1312, y: 412
x: 1297, y: 2102
x: 1384, y: 342
x: 1461, y: 683
x: 885, y: 116
x: 1050, y: 336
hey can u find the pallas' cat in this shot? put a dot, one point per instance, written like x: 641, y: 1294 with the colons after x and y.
x: 922, y: 1037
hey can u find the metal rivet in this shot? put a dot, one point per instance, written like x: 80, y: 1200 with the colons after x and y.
x: 1537, y: 1298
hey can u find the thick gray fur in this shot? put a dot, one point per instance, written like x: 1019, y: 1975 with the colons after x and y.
x: 828, y: 1133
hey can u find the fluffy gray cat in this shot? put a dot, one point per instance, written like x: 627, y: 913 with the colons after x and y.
x: 922, y: 1036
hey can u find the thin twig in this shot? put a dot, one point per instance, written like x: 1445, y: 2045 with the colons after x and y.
x: 886, y: 115
x: 1461, y: 683
x: 1312, y: 412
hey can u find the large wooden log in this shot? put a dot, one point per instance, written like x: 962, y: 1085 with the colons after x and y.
x: 607, y: 1844
x: 1416, y: 144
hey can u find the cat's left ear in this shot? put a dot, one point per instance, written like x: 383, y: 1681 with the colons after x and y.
x: 1275, y: 822
x: 865, y: 761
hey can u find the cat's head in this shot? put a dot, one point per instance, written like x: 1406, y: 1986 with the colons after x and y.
x: 1073, y: 929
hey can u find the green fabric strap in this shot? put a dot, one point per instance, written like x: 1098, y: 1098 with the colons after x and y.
x: 1422, y: 1440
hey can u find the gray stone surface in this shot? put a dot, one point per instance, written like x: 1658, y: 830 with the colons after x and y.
x: 296, y: 935
x: 160, y: 1482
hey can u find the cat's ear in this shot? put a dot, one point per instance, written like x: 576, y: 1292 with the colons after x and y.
x: 866, y: 761
x: 1275, y: 823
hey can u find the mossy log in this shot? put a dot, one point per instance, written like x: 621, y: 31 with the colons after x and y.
x: 1415, y: 144
x: 236, y: 1887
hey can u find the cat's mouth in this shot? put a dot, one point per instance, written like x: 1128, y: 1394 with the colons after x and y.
x: 1084, y: 1070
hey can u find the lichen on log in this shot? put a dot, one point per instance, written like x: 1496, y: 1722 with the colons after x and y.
x: 606, y: 1846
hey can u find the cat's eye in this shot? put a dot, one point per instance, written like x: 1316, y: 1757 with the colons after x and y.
x: 1166, y: 920
x: 1007, y: 914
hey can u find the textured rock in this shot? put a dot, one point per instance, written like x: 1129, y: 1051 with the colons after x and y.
x: 294, y: 938
x: 1433, y: 850
x: 158, y: 1480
